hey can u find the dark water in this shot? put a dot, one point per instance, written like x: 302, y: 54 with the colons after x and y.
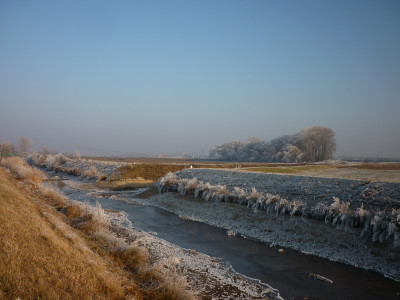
x: 285, y: 271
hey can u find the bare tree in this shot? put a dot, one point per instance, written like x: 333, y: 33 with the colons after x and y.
x: 24, y: 144
x: 317, y: 143
x: 5, y: 149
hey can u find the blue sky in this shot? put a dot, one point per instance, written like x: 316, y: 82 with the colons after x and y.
x: 114, y: 77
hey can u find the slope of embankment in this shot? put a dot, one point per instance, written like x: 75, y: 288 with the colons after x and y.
x: 55, y: 248
x: 41, y: 256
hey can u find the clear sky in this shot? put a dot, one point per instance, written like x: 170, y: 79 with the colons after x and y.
x: 115, y: 77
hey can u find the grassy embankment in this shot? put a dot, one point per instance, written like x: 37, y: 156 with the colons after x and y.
x: 52, y: 249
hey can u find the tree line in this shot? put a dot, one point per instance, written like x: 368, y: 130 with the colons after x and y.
x: 309, y: 145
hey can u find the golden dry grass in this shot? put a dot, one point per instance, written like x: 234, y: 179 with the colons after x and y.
x: 43, y: 257
x: 21, y: 170
x: 36, y: 261
x: 146, y: 171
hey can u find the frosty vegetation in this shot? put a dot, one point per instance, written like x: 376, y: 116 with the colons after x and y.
x: 311, y: 144
x: 382, y: 225
x: 88, y: 169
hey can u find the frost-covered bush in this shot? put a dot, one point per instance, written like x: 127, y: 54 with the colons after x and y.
x: 361, y: 216
x: 339, y: 213
x: 239, y: 195
x: 187, y: 186
x: 253, y: 197
x: 379, y: 225
x: 169, y: 183
x: 282, y: 207
x: 54, y: 161
x: 201, y: 188
x: 319, y: 211
x: 217, y: 193
x: 36, y: 159
x: 297, y: 208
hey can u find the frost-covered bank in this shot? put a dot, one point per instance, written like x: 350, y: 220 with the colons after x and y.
x: 373, y: 206
x: 262, y: 217
x: 210, y: 277
x: 85, y: 168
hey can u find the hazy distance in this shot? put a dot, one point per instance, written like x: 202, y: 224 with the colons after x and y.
x: 115, y: 77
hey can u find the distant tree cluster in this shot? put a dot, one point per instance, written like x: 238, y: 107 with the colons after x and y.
x: 311, y: 144
x: 8, y: 149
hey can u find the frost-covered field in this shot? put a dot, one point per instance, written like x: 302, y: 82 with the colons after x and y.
x: 373, y: 206
x: 360, y: 220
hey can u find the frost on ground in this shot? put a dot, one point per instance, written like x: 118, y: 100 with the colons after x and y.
x: 362, y: 229
x: 374, y: 207
x: 210, y: 277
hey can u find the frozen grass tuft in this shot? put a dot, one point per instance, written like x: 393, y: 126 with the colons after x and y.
x: 187, y: 186
x: 169, y: 183
x: 361, y: 215
x: 320, y: 211
x: 297, y: 208
x: 339, y: 213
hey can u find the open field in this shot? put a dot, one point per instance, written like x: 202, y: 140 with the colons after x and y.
x: 154, y: 168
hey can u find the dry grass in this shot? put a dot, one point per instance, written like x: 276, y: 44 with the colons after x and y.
x: 37, y: 262
x: 287, y: 169
x: 42, y: 256
x: 146, y: 171
x: 21, y: 170
x: 374, y: 166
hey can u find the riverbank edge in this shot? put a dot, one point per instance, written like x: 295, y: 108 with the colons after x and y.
x: 312, y: 237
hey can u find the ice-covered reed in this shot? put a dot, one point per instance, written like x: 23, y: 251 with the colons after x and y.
x: 169, y: 183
